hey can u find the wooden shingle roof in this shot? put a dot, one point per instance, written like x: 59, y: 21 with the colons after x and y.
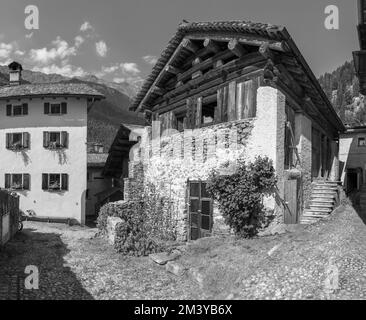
x: 48, y: 89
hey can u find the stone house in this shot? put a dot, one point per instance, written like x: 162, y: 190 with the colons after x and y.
x: 223, y: 91
x: 43, y: 136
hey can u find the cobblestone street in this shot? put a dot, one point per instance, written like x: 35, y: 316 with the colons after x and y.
x: 73, y: 264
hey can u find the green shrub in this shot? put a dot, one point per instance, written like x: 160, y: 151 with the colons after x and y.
x: 132, y: 236
x: 240, y: 195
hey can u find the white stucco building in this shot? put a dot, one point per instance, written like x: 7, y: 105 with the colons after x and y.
x: 43, y: 136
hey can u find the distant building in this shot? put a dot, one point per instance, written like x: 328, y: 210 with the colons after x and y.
x: 352, y: 157
x: 43, y: 145
x: 97, y: 184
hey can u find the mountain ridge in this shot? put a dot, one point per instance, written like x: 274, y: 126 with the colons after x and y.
x: 106, y: 116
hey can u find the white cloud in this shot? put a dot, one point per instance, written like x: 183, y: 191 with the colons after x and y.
x: 5, y: 50
x: 79, y: 40
x: 101, y: 48
x: 19, y: 53
x: 86, y: 26
x: 150, y: 59
x: 130, y: 67
x: 66, y: 70
x: 61, y: 50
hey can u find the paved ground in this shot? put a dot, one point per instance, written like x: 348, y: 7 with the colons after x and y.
x: 75, y: 265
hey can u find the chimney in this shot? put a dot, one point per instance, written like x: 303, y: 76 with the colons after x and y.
x: 15, y: 73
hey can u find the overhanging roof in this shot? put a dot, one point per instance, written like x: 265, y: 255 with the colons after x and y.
x: 119, y: 149
x: 255, y: 34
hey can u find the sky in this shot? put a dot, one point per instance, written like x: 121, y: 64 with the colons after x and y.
x: 119, y: 40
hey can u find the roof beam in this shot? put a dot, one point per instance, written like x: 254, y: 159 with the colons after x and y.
x: 172, y: 70
x: 235, y: 47
x: 266, y: 52
x: 189, y: 45
x: 211, y: 45
x: 158, y: 90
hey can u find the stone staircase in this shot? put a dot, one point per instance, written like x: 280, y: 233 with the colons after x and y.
x: 323, y: 200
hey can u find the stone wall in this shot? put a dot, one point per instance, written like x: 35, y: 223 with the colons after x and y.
x: 178, y: 157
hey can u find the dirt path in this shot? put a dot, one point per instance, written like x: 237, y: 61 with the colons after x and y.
x: 73, y: 264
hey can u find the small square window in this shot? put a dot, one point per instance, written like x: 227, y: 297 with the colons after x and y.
x: 17, y: 110
x: 180, y: 122
x: 208, y: 112
x: 361, y: 142
x: 55, y: 182
x: 55, y: 108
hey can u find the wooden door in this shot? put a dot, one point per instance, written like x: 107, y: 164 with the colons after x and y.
x: 200, y: 208
x: 291, y: 202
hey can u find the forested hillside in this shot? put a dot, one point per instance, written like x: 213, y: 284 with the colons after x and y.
x: 342, y: 89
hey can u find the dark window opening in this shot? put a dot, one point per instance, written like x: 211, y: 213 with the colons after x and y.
x: 361, y: 142
x: 208, y: 112
x: 289, y: 138
x: 180, y: 119
x: 55, y: 108
x: 17, y: 181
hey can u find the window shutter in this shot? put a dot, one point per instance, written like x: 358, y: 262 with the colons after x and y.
x: 64, y: 139
x: 63, y: 107
x: 26, y: 181
x: 8, y: 140
x: 46, y: 139
x: 8, y: 110
x: 46, y: 108
x: 64, y: 181
x: 25, y: 108
x: 26, y: 140
x: 7, y: 181
x: 44, y: 181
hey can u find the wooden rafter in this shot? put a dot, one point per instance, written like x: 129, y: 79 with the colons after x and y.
x: 235, y: 47
x: 189, y: 45
x: 211, y: 45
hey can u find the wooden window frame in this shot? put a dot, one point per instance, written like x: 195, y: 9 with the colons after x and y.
x: 25, y: 141
x: 61, y: 187
x: 63, y: 142
x: 361, y: 139
x: 11, y: 182
x: 61, y: 105
x: 23, y: 110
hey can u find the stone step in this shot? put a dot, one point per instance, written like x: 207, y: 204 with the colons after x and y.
x: 310, y: 212
x: 326, y: 188
x: 327, y: 183
x: 321, y: 204
x: 322, y: 200
x: 322, y: 195
x: 320, y: 209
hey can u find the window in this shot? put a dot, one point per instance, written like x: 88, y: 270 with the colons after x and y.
x: 55, y: 139
x: 17, y: 181
x: 17, y: 141
x: 207, y: 107
x: 55, y: 108
x: 17, y: 110
x: 361, y: 142
x: 55, y: 181
x: 180, y: 122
